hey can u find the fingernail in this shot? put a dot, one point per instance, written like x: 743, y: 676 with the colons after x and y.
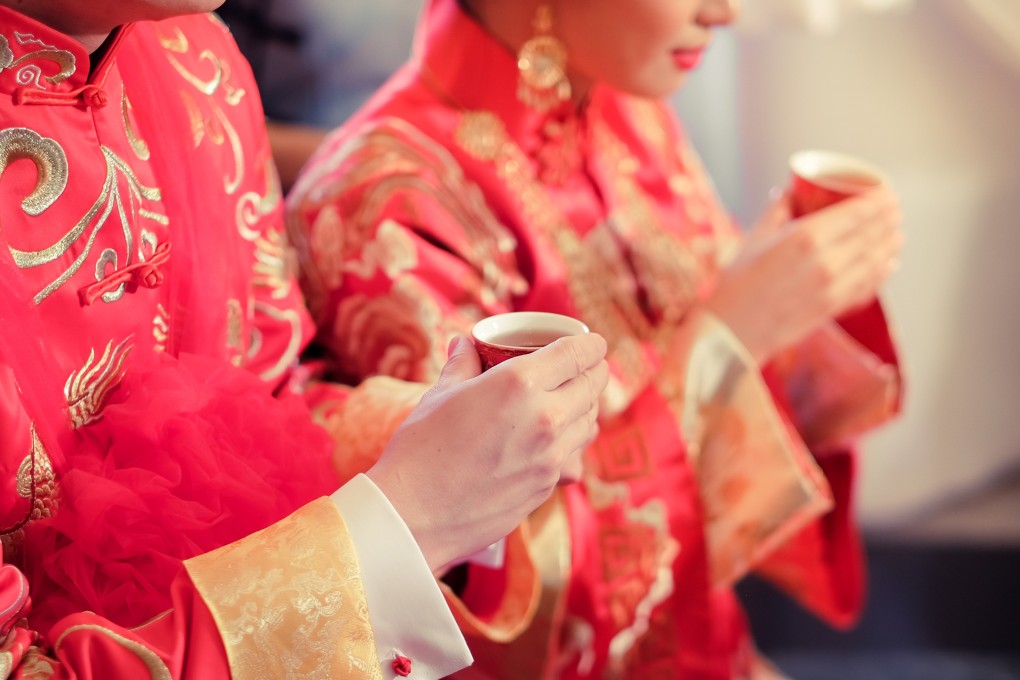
x: 455, y: 341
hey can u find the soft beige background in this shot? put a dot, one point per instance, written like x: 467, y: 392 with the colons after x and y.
x: 935, y: 98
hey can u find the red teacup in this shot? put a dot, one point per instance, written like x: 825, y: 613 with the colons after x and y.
x: 505, y: 336
x: 821, y: 178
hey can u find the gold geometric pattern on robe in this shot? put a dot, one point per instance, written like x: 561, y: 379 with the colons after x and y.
x: 86, y: 389
x: 289, y: 600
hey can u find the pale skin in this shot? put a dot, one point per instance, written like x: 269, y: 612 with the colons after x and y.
x: 791, y: 276
x: 481, y: 451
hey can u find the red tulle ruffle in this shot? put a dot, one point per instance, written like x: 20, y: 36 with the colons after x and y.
x: 188, y: 456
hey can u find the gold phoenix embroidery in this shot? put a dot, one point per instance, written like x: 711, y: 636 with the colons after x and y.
x: 87, y: 388
x: 128, y: 207
x: 32, y: 74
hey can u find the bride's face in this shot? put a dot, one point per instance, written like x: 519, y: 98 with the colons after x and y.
x: 643, y: 47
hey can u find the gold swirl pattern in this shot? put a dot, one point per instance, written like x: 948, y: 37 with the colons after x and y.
x: 32, y: 74
x: 87, y: 388
x: 252, y: 206
x: 111, y: 201
x: 50, y: 163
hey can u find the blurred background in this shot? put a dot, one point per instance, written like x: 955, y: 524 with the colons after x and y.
x: 928, y: 89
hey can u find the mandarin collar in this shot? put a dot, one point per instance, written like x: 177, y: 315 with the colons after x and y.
x: 37, y: 59
x: 472, y: 71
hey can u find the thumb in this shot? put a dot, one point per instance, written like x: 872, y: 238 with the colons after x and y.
x: 776, y: 214
x: 462, y: 365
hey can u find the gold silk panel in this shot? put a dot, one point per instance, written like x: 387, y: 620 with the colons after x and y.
x: 289, y: 601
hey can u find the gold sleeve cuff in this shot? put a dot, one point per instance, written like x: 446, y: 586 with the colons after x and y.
x: 837, y: 388
x: 759, y: 483
x: 289, y: 601
x: 516, y: 607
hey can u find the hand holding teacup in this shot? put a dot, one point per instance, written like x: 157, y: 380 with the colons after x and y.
x: 821, y: 250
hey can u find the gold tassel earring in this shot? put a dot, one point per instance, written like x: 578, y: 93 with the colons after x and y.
x: 542, y: 65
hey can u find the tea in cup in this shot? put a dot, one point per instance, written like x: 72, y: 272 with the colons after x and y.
x: 821, y: 178
x: 503, y: 336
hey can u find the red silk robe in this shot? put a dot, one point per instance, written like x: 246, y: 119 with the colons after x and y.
x: 149, y: 330
x: 447, y: 199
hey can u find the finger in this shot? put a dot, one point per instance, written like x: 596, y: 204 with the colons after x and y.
x: 843, y: 219
x: 462, y: 365
x: 562, y: 360
x: 580, y: 395
x: 776, y: 214
x: 576, y: 440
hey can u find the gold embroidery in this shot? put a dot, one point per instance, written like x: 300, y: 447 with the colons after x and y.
x: 220, y: 77
x: 32, y: 74
x: 218, y: 129
x: 157, y: 669
x: 50, y: 163
x: 235, y: 325
x: 111, y: 199
x: 252, y: 207
x: 36, y: 665
x: 293, y: 320
x: 160, y: 327
x: 410, y: 162
x: 139, y: 146
x: 273, y: 264
x: 612, y: 312
x: 87, y: 388
x: 37, y: 482
x: 288, y: 600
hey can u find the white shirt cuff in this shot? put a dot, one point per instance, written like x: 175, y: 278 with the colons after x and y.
x: 409, y: 615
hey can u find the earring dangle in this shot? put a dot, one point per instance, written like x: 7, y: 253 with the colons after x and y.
x: 541, y: 64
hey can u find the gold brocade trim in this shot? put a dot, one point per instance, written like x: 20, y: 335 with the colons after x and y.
x: 111, y: 201
x: 289, y: 601
x: 538, y: 652
x: 612, y: 312
x: 50, y: 164
x: 157, y: 669
x: 32, y: 74
x: 87, y: 388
